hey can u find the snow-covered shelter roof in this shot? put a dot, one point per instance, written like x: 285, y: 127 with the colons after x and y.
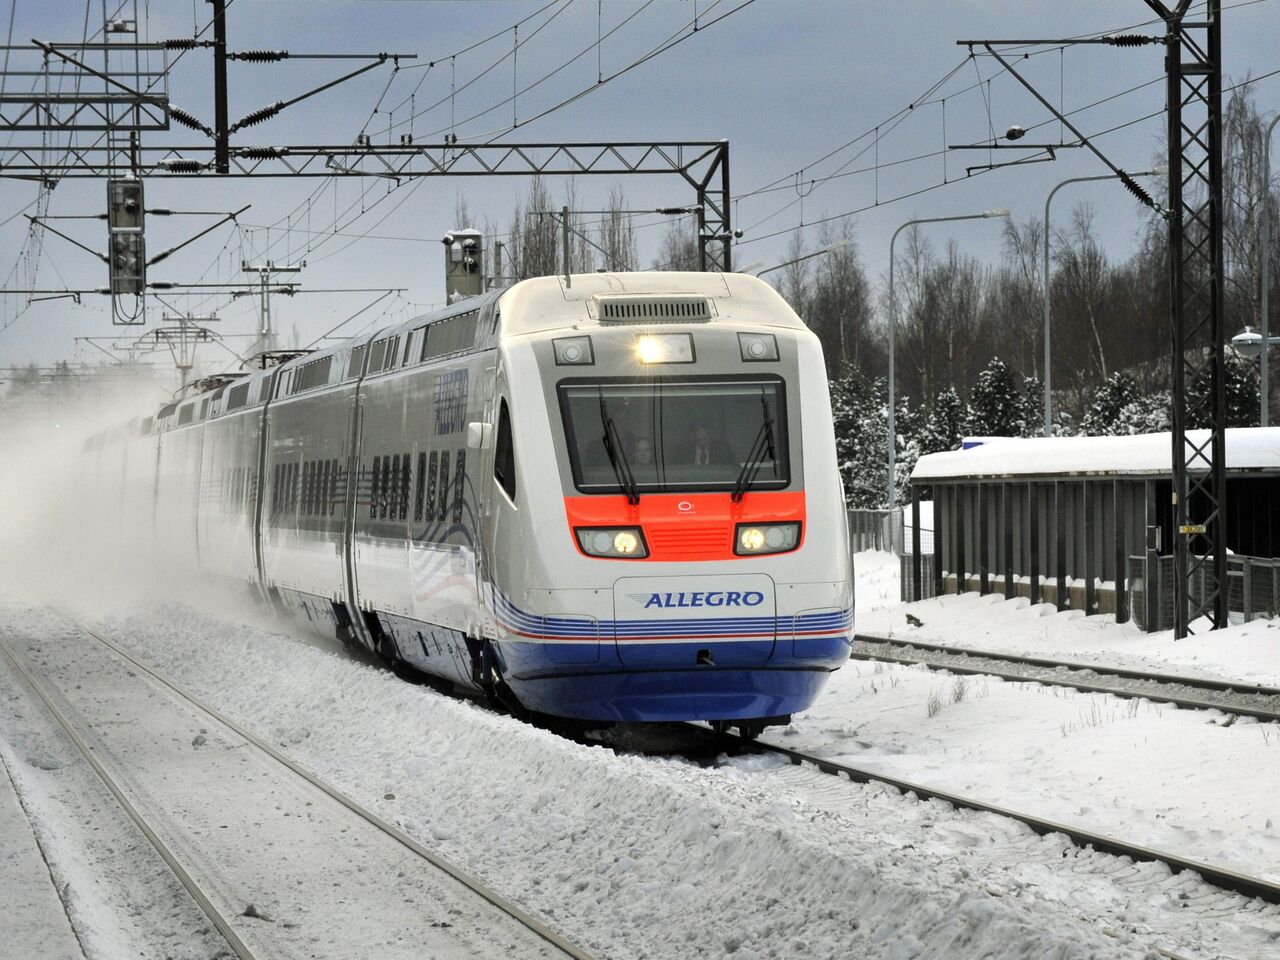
x: 1251, y: 449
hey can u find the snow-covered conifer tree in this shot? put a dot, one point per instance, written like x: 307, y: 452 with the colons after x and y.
x: 995, y: 403
x: 944, y: 425
x: 861, y: 428
x: 1102, y: 418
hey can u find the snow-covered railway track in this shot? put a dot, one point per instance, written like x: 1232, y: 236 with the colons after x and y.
x: 375, y: 885
x: 1228, y: 880
x: 1196, y: 693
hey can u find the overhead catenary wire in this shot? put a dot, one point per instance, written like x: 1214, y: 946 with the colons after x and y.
x: 936, y: 186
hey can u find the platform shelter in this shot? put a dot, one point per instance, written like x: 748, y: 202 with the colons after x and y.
x: 1086, y: 523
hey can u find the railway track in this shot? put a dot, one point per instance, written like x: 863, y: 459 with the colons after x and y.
x: 223, y: 918
x: 1217, y: 876
x: 1196, y: 693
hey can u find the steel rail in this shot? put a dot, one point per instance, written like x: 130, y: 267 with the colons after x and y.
x: 1157, y: 680
x: 215, y: 916
x: 1216, y: 876
x: 567, y: 947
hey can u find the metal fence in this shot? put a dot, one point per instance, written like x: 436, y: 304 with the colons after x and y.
x: 927, y: 566
x: 1253, y: 590
x: 875, y: 530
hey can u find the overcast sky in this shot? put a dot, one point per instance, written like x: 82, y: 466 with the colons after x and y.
x: 786, y: 82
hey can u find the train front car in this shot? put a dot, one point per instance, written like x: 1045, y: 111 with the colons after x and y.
x: 674, y: 546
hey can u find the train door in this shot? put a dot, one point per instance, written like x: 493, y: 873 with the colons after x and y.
x: 359, y: 625
x: 480, y: 439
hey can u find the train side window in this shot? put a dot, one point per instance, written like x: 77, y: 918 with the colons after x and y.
x: 357, y: 361
x: 431, y: 487
x: 394, y: 492
x: 459, y: 485
x: 419, y: 487
x: 403, y: 499
x: 504, y: 454
x: 373, y: 488
x: 384, y: 494
x: 442, y: 507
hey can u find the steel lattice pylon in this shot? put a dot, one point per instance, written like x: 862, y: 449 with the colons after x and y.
x: 1194, y: 63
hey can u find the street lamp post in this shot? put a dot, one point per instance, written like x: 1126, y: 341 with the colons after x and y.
x: 893, y: 322
x: 1048, y: 352
x: 1265, y: 419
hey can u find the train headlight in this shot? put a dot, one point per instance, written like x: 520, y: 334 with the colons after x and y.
x: 621, y: 543
x: 664, y: 348
x: 758, y: 346
x: 758, y: 538
x: 573, y: 351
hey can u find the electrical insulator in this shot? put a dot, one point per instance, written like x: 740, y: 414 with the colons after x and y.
x: 128, y: 263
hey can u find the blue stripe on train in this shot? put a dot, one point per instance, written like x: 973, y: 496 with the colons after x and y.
x: 569, y: 627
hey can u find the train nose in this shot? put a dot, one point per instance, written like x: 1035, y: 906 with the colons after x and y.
x: 696, y: 622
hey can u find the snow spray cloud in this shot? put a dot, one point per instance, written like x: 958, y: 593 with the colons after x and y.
x: 68, y: 533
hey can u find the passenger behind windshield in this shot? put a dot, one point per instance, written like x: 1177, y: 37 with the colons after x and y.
x: 702, y: 448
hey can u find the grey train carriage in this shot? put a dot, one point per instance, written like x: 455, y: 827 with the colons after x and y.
x: 612, y: 498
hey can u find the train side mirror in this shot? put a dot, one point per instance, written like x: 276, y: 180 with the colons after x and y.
x: 479, y: 436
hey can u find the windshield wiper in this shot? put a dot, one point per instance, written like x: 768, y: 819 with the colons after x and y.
x: 755, y: 459
x: 617, y: 455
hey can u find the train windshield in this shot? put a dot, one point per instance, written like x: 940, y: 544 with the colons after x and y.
x: 675, y: 435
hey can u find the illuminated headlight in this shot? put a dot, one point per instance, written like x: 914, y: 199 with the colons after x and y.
x: 757, y: 538
x: 664, y: 347
x: 572, y: 351
x: 758, y: 346
x: 617, y: 542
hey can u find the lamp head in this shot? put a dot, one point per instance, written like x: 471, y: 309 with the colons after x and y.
x: 1002, y: 212
x: 1015, y: 133
x: 1247, y: 343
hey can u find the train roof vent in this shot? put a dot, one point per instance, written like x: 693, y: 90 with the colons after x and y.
x: 648, y: 309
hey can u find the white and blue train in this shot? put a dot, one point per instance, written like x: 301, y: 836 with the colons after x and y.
x: 611, y: 497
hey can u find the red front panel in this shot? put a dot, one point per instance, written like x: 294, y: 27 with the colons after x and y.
x: 695, y: 526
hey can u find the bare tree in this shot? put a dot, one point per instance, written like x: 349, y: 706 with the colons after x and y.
x: 1244, y: 191
x: 840, y: 310
x: 617, y: 235
x: 679, y: 247
x: 795, y: 287
x: 534, y: 238
x: 1080, y: 290
x: 1017, y: 296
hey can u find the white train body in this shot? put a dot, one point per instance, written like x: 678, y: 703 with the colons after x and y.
x: 613, y: 497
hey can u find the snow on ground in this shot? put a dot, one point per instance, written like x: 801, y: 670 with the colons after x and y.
x: 1247, y: 653
x: 650, y: 857
x: 253, y: 833
x: 118, y: 893
x: 1193, y: 782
